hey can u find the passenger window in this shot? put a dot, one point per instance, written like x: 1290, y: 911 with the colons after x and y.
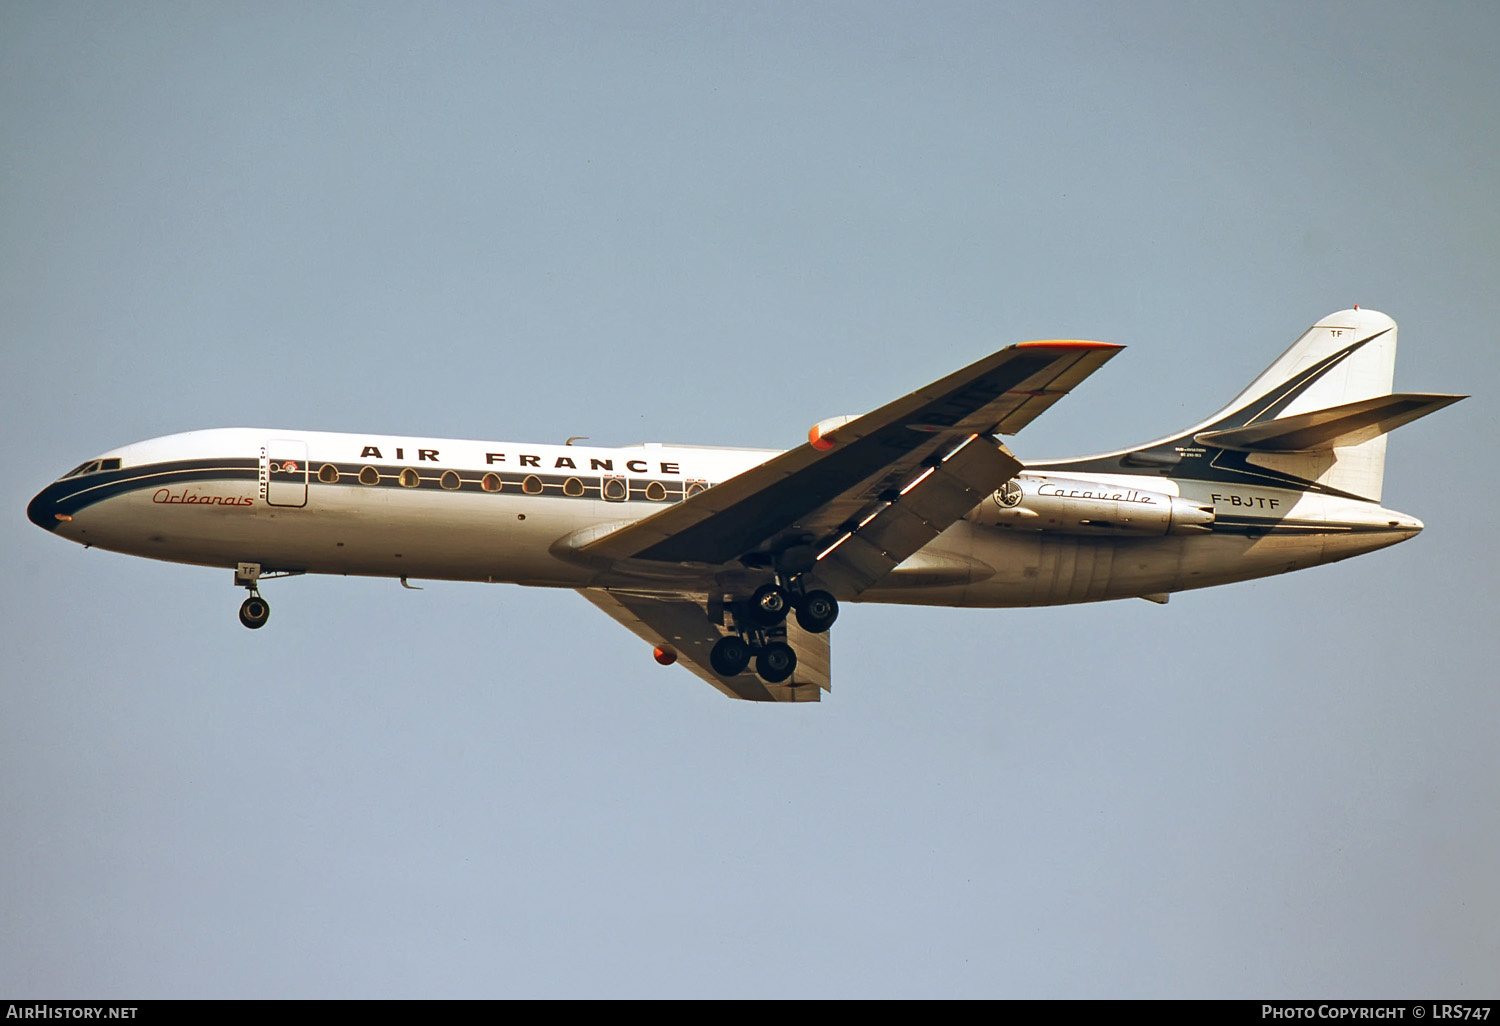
x: 614, y: 489
x: 490, y: 482
x: 656, y: 491
x: 328, y: 474
x: 369, y: 476
x: 410, y: 478
x: 532, y: 485
x: 572, y: 486
x: 450, y: 480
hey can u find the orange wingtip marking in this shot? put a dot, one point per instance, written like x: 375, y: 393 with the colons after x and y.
x: 1068, y: 343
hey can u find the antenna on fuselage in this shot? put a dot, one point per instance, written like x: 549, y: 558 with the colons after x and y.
x: 576, y: 438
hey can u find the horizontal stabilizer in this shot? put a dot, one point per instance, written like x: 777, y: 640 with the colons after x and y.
x: 1323, y: 430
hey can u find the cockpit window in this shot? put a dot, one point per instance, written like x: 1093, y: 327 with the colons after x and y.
x: 92, y: 467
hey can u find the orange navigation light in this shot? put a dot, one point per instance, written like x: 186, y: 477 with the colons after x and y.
x: 820, y: 435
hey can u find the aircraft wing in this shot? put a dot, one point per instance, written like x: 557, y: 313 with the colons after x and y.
x: 895, y: 478
x: 682, y: 622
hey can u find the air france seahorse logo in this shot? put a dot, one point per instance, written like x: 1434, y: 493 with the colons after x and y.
x: 1010, y: 494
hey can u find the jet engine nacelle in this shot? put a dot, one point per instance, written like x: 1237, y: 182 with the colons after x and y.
x: 1034, y: 502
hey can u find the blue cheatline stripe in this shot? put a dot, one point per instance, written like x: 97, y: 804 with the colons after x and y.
x: 73, y: 494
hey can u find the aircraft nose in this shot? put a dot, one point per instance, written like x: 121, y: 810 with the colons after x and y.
x: 43, y: 510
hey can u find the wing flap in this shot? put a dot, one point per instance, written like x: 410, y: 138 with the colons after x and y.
x: 682, y: 622
x: 914, y: 518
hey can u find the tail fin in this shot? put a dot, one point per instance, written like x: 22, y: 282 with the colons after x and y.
x: 1316, y: 419
x: 1344, y: 358
x: 1347, y: 356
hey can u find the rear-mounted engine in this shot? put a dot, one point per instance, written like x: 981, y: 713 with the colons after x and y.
x: 1033, y: 502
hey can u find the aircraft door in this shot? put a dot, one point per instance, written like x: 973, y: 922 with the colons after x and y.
x: 284, y: 469
x: 614, y: 488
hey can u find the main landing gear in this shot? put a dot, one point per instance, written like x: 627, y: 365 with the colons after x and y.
x: 774, y: 660
x: 816, y: 610
x: 760, y: 630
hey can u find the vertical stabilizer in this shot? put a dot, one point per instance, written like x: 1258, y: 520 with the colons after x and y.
x: 1366, y: 340
x: 1347, y: 356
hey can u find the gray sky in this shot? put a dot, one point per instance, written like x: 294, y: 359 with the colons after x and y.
x: 718, y: 224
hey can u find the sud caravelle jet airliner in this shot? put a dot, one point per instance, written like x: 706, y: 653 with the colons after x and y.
x: 732, y: 557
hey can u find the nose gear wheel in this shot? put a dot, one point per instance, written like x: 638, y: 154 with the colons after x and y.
x: 254, y: 612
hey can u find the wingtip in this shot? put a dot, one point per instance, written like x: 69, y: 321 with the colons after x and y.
x: 1068, y: 343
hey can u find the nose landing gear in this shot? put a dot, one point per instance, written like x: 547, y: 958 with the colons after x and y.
x: 255, y: 611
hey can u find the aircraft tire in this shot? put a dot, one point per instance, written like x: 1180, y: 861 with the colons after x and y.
x: 254, y: 612
x: 816, y: 612
x: 776, y: 662
x: 729, y: 656
x: 769, y: 605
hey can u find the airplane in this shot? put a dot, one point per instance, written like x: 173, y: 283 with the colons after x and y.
x: 737, y: 561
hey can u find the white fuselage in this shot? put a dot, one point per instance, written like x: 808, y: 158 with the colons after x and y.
x: 376, y: 505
